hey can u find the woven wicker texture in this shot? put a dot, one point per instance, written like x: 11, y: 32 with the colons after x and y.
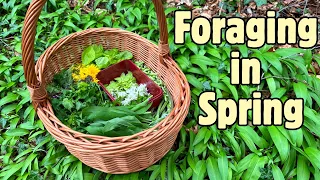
x: 118, y: 155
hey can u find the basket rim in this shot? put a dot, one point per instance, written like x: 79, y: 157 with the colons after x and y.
x: 148, y: 134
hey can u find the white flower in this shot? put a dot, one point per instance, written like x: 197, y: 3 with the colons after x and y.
x: 125, y: 102
x: 121, y: 94
x: 130, y: 90
x: 142, y: 87
x: 132, y: 96
x: 142, y: 90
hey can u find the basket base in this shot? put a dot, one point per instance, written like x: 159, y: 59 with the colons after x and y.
x: 120, y: 164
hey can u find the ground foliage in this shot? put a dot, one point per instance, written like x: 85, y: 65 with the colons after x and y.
x: 29, y: 152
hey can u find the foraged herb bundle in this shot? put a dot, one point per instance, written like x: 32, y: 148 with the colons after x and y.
x: 81, y: 104
x: 126, y: 91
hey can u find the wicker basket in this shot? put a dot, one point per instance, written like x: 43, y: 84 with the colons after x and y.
x: 117, y: 155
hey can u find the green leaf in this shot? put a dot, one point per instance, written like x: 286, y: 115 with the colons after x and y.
x: 73, y: 26
x: 309, y: 138
x: 307, y: 56
x: 17, y: 132
x: 155, y: 174
x: 316, y: 173
x: 232, y: 88
x: 124, y: 55
x: 301, y: 91
x: 273, y: 60
x: 3, y: 58
x: 196, y: 59
x: 296, y: 136
x: 9, y: 108
x: 234, y: 144
x: 183, y: 62
x: 90, y: 24
x: 200, y: 135
x: 302, y: 168
x: 253, y: 172
x: 243, y: 50
x: 271, y: 83
x: 265, y: 48
x: 259, y: 141
x: 199, y: 148
x: 8, y: 173
x: 199, y: 71
x: 91, y: 53
x: 193, y: 47
x: 199, y: 171
x: 280, y: 142
x: 68, y: 104
x: 163, y: 168
x: 212, y: 168
x: 276, y: 172
x: 223, y: 166
x: 53, y: 2
x: 137, y: 13
x: 264, y: 63
x: 278, y: 93
x: 10, y: 97
x: 245, y: 162
x: 124, y: 126
x: 102, y: 62
x: 6, y: 158
x: 170, y: 10
x: 88, y: 55
x: 296, y: 64
x: 95, y: 113
x: 194, y: 81
x: 288, y: 52
x: 213, y: 74
x: 27, y: 162
x: 79, y: 170
x: 246, y: 138
x: 45, y: 141
x: 313, y: 156
x: 23, y: 153
x: 214, y: 53
x: 88, y: 176
x: 170, y: 168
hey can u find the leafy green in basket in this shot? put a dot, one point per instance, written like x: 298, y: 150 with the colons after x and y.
x: 103, y: 58
x: 80, y: 104
x: 91, y: 53
x: 124, y: 126
x: 96, y: 113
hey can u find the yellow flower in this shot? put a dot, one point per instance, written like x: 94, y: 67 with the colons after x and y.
x: 85, y: 71
x: 82, y: 75
x: 75, y: 77
x: 93, y: 70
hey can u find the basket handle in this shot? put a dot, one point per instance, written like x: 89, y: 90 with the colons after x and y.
x: 38, y: 93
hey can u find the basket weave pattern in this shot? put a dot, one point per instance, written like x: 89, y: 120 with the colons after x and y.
x: 116, y: 155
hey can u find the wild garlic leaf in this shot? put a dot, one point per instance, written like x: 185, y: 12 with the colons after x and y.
x: 91, y: 53
x: 111, y: 53
x: 88, y: 55
x: 125, y: 55
x: 123, y: 126
x: 95, y: 113
x: 102, y: 62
